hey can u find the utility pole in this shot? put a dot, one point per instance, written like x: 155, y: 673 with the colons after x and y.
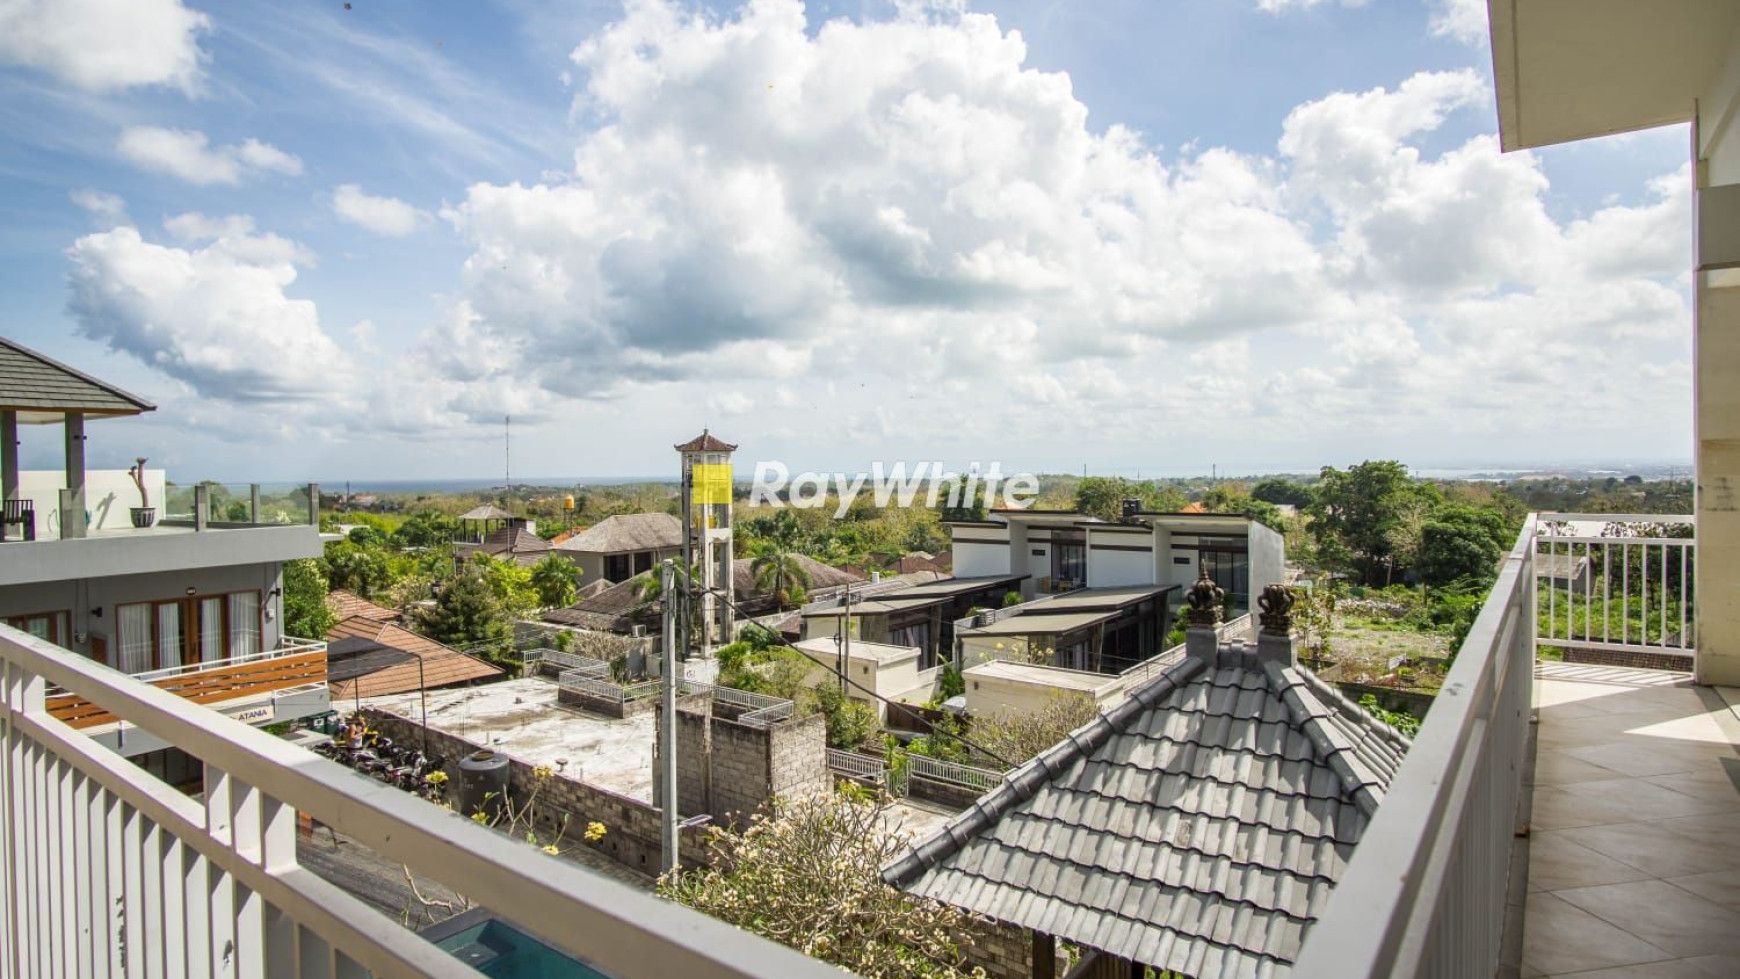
x: 668, y: 721
x: 846, y: 641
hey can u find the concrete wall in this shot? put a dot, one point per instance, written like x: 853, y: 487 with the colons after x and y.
x: 975, y: 559
x: 988, y: 695
x: 632, y: 827
x: 82, y: 596
x: 1717, y: 376
x: 1268, y: 559
x: 1109, y: 568
x: 109, y: 497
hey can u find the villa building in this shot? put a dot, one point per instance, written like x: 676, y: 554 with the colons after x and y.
x: 185, y: 593
x: 1060, y: 550
x: 621, y: 546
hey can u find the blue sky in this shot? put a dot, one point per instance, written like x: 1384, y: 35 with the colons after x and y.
x: 1259, y: 234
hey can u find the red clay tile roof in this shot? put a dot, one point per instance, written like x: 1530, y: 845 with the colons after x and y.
x: 442, y: 665
x: 345, y: 604
x: 705, y: 442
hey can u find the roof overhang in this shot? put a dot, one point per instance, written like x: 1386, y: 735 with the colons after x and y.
x: 1572, y: 69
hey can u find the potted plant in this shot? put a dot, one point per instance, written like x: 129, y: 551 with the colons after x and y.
x: 143, y: 514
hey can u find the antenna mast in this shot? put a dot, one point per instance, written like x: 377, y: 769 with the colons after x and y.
x: 507, y: 463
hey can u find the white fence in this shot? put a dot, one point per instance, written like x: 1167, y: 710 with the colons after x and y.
x: 105, y: 871
x: 563, y: 662
x: 1618, y: 582
x: 1424, y: 894
x: 922, y: 766
x: 854, y: 765
x: 759, y: 709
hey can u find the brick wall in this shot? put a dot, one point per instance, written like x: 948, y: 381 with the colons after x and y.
x: 730, y: 770
x: 632, y: 827
x: 1003, y: 951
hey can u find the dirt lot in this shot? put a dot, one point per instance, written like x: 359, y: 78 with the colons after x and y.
x: 1365, y: 653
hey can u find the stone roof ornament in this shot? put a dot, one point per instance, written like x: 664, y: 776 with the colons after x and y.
x: 1206, y: 602
x: 1276, y: 601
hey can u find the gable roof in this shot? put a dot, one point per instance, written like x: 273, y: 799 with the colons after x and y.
x: 518, y: 543
x: 705, y: 442
x: 442, y: 666
x: 1198, y: 826
x: 345, y: 604
x: 628, y: 532
x: 42, y: 389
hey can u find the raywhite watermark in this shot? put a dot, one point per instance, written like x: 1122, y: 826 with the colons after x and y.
x: 775, y: 486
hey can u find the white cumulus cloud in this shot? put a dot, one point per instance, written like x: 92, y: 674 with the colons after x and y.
x: 188, y: 154
x: 217, y: 317
x: 1463, y: 20
x: 105, y: 209
x: 382, y: 215
x: 104, y: 45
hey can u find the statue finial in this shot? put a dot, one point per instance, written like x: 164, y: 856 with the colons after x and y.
x: 1205, y: 603
x: 1276, y: 602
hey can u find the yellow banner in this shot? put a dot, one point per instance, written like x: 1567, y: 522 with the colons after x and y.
x: 711, y: 483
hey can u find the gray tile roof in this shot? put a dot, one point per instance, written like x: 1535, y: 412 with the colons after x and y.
x: 42, y: 389
x: 1198, y: 826
x: 625, y: 532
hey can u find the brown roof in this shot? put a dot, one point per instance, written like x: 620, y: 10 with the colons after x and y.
x: 611, y: 610
x: 821, y: 575
x: 43, y: 390
x: 627, y: 532
x: 519, y: 543
x: 442, y: 666
x: 705, y: 442
x: 488, y: 511
x: 345, y: 604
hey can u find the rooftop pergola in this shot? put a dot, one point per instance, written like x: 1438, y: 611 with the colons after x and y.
x: 38, y: 390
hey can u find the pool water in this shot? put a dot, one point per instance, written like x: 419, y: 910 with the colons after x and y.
x: 501, y: 951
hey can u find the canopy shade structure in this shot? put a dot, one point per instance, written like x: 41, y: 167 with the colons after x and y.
x: 1571, y: 69
x: 486, y: 512
x: 43, y: 391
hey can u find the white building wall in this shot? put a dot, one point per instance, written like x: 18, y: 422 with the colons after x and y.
x: 109, y: 497
x: 1717, y: 378
x: 976, y: 559
x: 1110, y: 569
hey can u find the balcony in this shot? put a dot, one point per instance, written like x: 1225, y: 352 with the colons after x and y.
x: 1610, y: 846
x: 206, y: 525
x: 110, y: 872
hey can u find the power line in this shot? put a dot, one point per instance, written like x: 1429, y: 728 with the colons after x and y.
x: 903, y: 708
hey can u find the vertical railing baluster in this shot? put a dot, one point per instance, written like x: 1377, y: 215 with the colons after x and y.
x: 1685, y: 589
x: 132, y: 950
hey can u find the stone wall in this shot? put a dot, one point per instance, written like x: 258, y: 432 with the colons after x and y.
x: 632, y: 827
x: 947, y: 793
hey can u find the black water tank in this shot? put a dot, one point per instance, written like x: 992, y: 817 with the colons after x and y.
x: 483, y: 783
x: 1131, y: 508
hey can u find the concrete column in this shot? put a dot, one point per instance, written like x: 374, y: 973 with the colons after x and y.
x: 8, y: 455
x: 1716, y: 355
x: 72, y: 513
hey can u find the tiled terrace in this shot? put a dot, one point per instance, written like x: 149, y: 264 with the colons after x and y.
x: 1634, y: 850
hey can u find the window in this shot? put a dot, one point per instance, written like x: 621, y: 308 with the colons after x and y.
x: 186, y: 631
x: 643, y: 561
x: 617, y: 567
x: 1068, y: 557
x: 50, y: 626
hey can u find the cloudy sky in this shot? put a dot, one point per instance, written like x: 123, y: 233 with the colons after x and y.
x: 1261, y: 234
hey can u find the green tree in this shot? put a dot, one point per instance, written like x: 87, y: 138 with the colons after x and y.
x: 465, y: 613
x: 779, y: 573
x: 509, y: 581
x: 1102, y: 496
x: 850, y: 722
x: 555, y: 580
x: 810, y: 877
x: 1461, y: 541
x: 1356, y: 511
x: 1283, y: 492
x: 426, y: 528
x: 305, y: 613
x: 356, y: 568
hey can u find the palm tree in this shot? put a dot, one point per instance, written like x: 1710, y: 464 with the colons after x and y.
x: 780, y: 573
x: 553, y: 579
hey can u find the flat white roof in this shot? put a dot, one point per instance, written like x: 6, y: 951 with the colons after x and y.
x: 1040, y: 623
x: 881, y: 654
x: 1044, y: 676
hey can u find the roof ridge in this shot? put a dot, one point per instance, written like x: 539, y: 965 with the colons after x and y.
x: 1021, y: 783
x: 43, y: 358
x: 1363, y: 781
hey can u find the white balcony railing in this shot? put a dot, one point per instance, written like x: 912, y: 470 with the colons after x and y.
x: 107, y: 871
x: 1617, y: 582
x: 1424, y: 894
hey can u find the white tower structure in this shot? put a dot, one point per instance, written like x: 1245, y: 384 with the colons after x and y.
x: 707, y: 549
